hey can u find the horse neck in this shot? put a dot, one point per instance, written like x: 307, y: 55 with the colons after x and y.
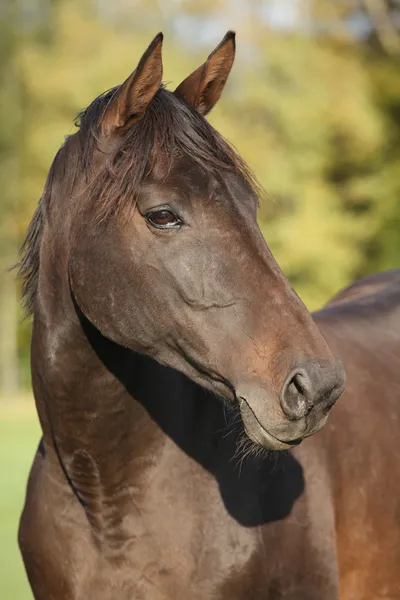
x: 118, y: 409
x: 114, y: 419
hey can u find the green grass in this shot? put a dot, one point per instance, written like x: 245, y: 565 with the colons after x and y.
x: 19, y: 437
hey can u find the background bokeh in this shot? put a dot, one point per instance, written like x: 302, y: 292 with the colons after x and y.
x: 313, y: 105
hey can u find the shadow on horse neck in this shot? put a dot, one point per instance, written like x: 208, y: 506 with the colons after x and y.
x: 255, y: 488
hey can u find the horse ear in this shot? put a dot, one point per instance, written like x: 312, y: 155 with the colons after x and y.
x: 204, y: 86
x: 132, y: 98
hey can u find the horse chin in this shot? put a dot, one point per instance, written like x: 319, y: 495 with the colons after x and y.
x: 259, y: 434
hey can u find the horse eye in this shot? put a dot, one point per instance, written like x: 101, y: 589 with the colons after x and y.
x: 163, y: 219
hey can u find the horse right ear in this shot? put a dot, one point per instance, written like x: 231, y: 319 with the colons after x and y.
x: 130, y: 101
x: 203, y: 88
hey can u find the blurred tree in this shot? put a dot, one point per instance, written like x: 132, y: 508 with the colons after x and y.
x: 383, y: 249
x: 373, y: 34
x: 10, y: 122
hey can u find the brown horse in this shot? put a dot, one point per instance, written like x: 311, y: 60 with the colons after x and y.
x: 163, y: 331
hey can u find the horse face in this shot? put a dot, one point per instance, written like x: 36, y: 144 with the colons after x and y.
x: 186, y: 277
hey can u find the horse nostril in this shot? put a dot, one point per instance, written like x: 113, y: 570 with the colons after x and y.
x: 296, y: 395
x: 309, y: 387
x: 296, y: 384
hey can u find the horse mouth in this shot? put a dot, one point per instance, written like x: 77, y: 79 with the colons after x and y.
x: 259, y: 434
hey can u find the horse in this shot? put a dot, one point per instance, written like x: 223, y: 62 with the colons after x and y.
x: 177, y: 376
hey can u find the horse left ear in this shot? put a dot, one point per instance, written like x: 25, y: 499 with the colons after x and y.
x: 132, y: 98
x: 203, y: 88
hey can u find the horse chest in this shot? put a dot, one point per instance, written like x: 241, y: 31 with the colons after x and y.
x: 176, y: 540
x: 182, y: 544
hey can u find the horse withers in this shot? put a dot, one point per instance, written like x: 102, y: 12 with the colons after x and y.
x: 165, y: 337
